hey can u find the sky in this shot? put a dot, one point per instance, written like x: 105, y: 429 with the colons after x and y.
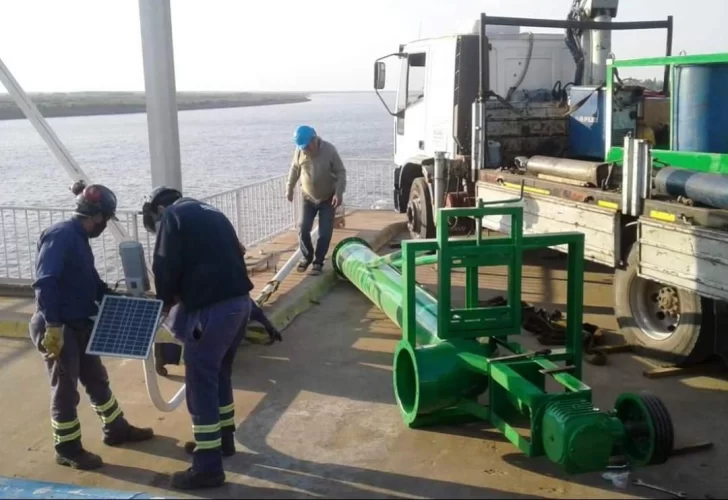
x: 287, y: 45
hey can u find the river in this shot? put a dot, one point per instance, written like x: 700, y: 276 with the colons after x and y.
x: 220, y: 148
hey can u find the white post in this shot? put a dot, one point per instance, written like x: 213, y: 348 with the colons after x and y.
x: 161, y: 92
x: 601, y: 46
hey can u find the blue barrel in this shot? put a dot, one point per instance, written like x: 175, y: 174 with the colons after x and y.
x: 700, y: 104
x: 705, y: 188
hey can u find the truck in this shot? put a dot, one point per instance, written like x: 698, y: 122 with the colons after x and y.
x: 482, y: 114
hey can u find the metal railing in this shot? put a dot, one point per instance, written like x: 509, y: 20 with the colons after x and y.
x: 259, y: 212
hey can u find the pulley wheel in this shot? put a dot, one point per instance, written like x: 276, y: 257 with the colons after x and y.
x: 649, y: 433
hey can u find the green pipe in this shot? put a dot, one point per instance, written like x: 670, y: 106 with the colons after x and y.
x: 382, y: 284
x: 430, y: 377
x: 386, y: 259
x: 394, y: 259
x: 422, y: 260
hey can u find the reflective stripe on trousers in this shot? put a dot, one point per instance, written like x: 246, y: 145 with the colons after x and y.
x: 208, y: 356
x: 72, y: 366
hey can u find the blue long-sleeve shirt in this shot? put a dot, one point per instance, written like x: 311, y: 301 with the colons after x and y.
x: 197, y: 258
x: 67, y: 284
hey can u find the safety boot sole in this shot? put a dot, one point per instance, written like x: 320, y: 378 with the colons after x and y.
x: 84, y: 461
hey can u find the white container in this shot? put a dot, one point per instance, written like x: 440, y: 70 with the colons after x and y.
x: 549, y: 63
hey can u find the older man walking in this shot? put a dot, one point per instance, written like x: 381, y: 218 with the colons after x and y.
x: 323, y: 182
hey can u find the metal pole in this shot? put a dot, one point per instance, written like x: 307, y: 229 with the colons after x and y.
x: 51, y: 139
x: 440, y: 178
x: 582, y: 25
x: 668, y: 53
x: 479, y: 121
x: 161, y: 92
x: 601, y: 46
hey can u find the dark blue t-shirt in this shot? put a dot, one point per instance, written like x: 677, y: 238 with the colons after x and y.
x: 197, y: 257
x: 67, y: 284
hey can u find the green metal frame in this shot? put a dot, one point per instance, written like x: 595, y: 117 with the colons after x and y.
x: 699, y: 162
x: 449, y: 359
x: 514, y: 384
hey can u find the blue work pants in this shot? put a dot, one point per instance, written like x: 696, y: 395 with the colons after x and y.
x: 211, y: 338
x: 326, y: 214
x: 72, y: 366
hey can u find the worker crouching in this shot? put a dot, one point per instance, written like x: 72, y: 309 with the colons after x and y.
x: 67, y: 290
x: 200, y: 275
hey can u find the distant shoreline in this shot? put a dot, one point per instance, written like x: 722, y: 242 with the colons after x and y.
x: 57, y: 105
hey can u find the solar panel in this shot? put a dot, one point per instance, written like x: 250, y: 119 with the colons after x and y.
x: 125, y: 327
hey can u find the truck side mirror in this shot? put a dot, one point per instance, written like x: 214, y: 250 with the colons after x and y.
x: 380, y: 75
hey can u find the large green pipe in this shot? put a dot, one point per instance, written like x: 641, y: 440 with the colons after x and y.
x: 354, y: 259
x: 431, y: 375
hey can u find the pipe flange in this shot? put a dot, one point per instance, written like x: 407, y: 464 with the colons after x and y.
x: 338, y: 247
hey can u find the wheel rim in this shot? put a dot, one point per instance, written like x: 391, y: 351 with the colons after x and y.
x: 414, y: 217
x: 655, y: 308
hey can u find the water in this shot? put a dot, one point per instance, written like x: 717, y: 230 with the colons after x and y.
x: 221, y: 148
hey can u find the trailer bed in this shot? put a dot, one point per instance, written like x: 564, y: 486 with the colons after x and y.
x: 679, y: 245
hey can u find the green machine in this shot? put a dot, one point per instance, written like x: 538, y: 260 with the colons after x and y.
x: 459, y: 364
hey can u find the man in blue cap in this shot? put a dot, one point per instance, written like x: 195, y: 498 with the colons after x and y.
x: 323, y: 182
x: 67, y: 290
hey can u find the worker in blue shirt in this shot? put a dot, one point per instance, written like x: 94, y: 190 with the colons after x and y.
x: 170, y: 353
x: 200, y: 275
x: 67, y: 289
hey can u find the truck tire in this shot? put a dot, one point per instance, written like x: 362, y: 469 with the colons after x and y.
x: 664, y: 323
x: 419, y: 210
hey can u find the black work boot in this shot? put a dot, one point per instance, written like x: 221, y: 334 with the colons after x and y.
x: 80, y: 460
x: 191, y: 480
x: 128, y: 434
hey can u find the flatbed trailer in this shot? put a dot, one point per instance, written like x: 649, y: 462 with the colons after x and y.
x: 670, y: 259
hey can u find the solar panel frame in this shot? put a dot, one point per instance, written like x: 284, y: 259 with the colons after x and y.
x: 125, y: 327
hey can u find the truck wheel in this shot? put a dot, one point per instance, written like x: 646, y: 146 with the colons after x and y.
x: 662, y: 322
x: 419, y: 210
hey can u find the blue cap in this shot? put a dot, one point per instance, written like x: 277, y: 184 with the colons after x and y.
x: 303, y: 136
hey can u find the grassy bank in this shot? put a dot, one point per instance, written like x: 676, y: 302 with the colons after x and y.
x: 114, y: 103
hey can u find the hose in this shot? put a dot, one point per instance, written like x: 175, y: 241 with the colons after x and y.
x: 513, y: 89
x: 573, y: 40
x: 151, y: 380
x: 272, y: 286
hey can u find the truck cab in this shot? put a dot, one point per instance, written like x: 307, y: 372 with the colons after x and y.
x: 438, y: 83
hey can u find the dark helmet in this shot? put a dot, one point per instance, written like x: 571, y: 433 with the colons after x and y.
x: 94, y: 199
x: 161, y: 196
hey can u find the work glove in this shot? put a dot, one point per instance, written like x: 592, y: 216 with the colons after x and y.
x: 53, y: 341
